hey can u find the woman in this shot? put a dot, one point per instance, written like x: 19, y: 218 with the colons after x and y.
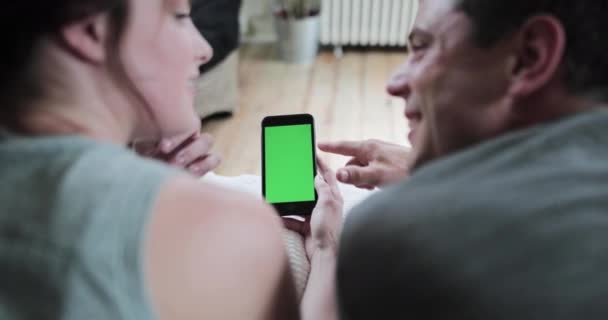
x: 91, y: 231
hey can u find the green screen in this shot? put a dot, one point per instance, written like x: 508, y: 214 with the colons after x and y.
x: 289, y: 166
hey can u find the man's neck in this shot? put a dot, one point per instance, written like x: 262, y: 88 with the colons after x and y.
x: 551, y: 107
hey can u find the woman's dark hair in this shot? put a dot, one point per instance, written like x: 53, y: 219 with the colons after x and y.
x: 24, y: 24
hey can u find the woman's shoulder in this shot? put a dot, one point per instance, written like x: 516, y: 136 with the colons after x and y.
x: 77, y: 180
x: 218, y: 237
x: 82, y: 199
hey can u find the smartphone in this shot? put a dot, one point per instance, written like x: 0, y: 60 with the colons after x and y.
x: 288, y: 163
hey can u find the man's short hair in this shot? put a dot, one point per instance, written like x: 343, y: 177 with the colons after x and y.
x: 585, y: 22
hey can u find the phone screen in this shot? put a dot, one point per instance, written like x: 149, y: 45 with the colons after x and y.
x: 289, y: 163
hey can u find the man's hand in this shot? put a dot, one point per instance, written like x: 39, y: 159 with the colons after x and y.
x: 373, y: 164
x: 191, y: 152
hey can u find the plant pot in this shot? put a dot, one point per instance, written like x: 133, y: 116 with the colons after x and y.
x: 298, y: 38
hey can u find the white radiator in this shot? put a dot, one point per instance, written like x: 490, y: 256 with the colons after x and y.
x: 367, y: 22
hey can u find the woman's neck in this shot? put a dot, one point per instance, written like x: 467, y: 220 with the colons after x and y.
x: 78, y: 99
x: 91, y: 120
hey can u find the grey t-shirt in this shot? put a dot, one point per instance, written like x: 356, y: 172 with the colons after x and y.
x: 514, y: 228
x: 73, y: 214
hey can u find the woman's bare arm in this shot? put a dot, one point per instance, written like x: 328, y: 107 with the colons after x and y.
x: 216, y: 254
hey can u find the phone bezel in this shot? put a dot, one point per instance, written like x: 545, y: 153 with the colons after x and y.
x: 303, y: 208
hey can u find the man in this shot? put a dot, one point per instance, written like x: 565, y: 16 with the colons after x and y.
x: 505, y: 210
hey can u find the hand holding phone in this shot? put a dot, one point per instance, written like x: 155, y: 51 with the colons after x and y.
x: 288, y: 163
x: 322, y: 230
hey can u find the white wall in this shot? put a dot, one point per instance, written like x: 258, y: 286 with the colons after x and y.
x: 255, y: 7
x: 256, y: 21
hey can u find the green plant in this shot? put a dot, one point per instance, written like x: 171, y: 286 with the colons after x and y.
x: 298, y: 8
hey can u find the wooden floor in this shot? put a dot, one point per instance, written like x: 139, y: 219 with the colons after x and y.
x: 346, y: 96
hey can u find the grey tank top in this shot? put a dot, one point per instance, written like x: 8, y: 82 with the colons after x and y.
x: 73, y: 215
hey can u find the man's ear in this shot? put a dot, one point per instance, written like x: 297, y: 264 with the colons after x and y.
x: 87, y: 38
x: 539, y: 53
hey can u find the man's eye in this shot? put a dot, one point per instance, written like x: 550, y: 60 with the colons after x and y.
x: 416, y: 45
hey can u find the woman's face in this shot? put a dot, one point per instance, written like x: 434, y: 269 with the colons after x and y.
x: 161, y: 52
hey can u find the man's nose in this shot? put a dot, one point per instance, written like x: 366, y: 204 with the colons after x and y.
x: 399, y: 83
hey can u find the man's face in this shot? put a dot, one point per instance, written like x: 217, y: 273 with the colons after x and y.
x: 455, y: 92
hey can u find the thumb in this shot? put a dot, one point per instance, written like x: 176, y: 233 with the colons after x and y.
x: 320, y: 183
x: 358, y: 176
x: 323, y: 189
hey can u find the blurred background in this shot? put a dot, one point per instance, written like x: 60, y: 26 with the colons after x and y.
x: 329, y: 58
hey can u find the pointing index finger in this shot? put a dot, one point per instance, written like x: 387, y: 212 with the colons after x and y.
x: 345, y: 148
